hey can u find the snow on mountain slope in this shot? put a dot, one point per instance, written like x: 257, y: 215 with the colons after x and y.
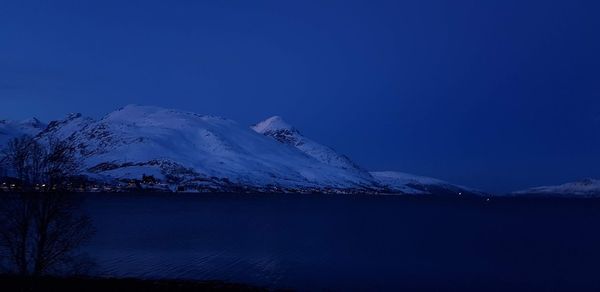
x: 276, y: 128
x: 13, y: 129
x: 63, y: 129
x: 185, y: 147
x: 209, y: 153
x: 399, y: 182
x: 583, y: 188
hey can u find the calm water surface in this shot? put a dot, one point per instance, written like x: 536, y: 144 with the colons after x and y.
x: 350, y: 242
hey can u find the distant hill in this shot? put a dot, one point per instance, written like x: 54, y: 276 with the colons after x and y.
x: 583, y: 189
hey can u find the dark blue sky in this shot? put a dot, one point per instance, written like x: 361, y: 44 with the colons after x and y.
x: 498, y: 95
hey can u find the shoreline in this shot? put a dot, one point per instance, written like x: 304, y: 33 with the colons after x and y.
x: 83, y: 283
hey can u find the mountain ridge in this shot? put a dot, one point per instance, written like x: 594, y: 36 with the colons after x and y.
x: 208, y: 153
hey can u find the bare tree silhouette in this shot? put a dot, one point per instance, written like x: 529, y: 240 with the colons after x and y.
x: 41, y: 223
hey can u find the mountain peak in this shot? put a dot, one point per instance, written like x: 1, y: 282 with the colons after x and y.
x: 134, y: 110
x: 274, y: 123
x: 139, y: 113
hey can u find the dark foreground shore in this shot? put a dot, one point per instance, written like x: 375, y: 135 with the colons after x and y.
x: 47, y: 284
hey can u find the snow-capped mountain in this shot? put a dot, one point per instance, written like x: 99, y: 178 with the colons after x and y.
x: 208, y: 153
x: 203, y: 151
x: 583, y: 188
x: 398, y: 182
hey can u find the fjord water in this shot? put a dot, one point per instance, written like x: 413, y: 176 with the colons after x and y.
x: 314, y: 242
